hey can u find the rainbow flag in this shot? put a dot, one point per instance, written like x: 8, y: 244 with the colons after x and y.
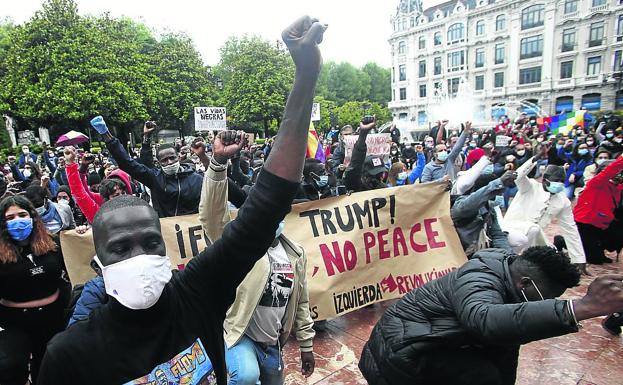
x: 563, y: 123
x: 314, y: 145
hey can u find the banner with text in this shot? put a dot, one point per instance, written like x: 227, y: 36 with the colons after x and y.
x: 361, y: 249
x: 210, y: 118
x: 375, y: 245
x: 378, y: 145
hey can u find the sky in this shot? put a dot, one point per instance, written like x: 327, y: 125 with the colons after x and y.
x: 358, y: 30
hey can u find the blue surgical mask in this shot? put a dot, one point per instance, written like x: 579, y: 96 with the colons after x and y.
x: 442, y: 156
x: 498, y: 201
x: 488, y: 169
x: 609, y: 135
x: 279, y: 230
x: 555, y: 187
x: 322, y: 181
x: 600, y: 161
x: 583, y: 151
x: 19, y: 229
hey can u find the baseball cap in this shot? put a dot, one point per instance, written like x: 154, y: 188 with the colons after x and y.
x: 373, y: 165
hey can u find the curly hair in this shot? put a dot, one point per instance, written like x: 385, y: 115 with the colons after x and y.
x: 554, y: 265
x: 41, y: 242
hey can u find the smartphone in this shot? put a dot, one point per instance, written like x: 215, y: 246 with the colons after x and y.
x: 341, y: 190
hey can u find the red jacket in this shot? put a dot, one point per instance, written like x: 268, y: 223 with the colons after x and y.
x: 600, y: 197
x: 88, y: 201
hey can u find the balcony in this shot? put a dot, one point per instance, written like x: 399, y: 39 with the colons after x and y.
x: 567, y: 47
x: 528, y: 86
x: 599, y: 8
x: 595, y: 43
x: 570, y: 15
x: 592, y: 78
x: 566, y: 82
x: 398, y: 104
x: 498, y: 90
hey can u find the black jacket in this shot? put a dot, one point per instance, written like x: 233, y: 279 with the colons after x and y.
x: 474, y: 305
x: 172, y: 195
x: 116, y: 345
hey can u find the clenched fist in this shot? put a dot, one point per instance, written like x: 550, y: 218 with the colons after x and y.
x: 302, y: 39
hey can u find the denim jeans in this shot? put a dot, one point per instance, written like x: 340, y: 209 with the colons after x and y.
x: 252, y: 363
x: 509, y: 193
x: 570, y: 191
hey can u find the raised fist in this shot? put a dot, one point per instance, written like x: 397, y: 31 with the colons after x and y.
x: 604, y: 296
x: 70, y: 155
x: 198, y: 146
x: 302, y: 39
x: 227, y: 144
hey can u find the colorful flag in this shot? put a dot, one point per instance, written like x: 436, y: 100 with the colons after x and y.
x: 314, y: 145
x: 563, y: 123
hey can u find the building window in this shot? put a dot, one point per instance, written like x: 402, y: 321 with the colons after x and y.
x: 421, y: 118
x: 591, y: 102
x: 530, y: 75
x: 618, y: 61
x: 412, y: 22
x: 480, y: 27
x: 480, y: 82
x: 394, y: 94
x: 422, y: 68
x: 437, y: 66
x: 566, y: 70
x: 499, y: 53
x: 531, y: 47
x: 568, y: 40
x: 596, y: 35
x: 402, y: 72
x: 403, y: 94
x: 422, y: 90
x: 480, y: 57
x: 593, y: 65
x: 393, y: 74
x: 456, y: 32
x: 453, y: 86
x: 500, y: 23
x: 402, y: 48
x: 571, y: 6
x: 564, y: 103
x: 437, y: 38
x: 403, y: 116
x: 422, y: 42
x: 456, y: 61
x: 620, y: 29
x: 403, y: 24
x: 532, y: 16
x: 498, y: 79
x: 597, y: 3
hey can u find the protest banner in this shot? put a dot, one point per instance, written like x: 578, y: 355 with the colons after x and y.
x: 364, y: 248
x: 210, y: 118
x: 315, y: 116
x: 44, y: 135
x: 378, y: 145
x: 374, y: 245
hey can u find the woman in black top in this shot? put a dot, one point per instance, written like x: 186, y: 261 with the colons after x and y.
x: 31, y: 304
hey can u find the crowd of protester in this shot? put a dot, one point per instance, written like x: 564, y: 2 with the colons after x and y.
x: 251, y: 281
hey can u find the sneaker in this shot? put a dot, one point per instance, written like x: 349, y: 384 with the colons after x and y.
x: 612, y: 324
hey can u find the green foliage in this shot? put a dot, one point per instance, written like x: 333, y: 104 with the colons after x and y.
x: 352, y: 112
x: 257, y: 77
x: 327, y: 108
x: 344, y: 82
x: 62, y: 69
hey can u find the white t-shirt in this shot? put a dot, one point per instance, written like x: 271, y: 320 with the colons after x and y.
x: 266, y: 321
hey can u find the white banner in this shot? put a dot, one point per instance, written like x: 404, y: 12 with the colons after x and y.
x: 44, y: 135
x: 315, y: 112
x: 210, y: 118
x: 378, y: 145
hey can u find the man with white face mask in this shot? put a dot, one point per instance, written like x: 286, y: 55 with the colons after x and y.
x: 536, y: 205
x: 159, y: 326
x: 175, y: 187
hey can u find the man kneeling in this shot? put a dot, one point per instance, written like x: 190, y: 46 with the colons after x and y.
x: 467, y: 327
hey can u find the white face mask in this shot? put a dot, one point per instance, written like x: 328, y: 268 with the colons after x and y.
x: 171, y: 169
x: 26, y: 173
x: 137, y: 283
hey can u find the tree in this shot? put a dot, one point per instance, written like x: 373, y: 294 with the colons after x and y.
x: 257, y: 76
x: 380, y: 83
x: 327, y: 108
x: 183, y: 81
x: 352, y: 112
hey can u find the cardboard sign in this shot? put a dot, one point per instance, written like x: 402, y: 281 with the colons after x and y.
x: 210, y: 118
x: 361, y: 249
x: 378, y: 145
x: 502, y: 140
